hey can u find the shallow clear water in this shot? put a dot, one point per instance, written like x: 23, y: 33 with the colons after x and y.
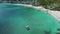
x: 14, y: 19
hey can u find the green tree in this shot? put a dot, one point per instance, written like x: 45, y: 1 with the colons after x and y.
x: 49, y: 4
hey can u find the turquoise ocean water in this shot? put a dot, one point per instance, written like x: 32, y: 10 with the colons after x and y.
x: 14, y: 19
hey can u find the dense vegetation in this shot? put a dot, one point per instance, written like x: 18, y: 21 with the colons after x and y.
x: 49, y: 4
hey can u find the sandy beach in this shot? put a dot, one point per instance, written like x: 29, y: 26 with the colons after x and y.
x: 55, y: 14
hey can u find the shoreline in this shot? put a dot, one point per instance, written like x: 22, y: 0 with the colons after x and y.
x: 55, y: 14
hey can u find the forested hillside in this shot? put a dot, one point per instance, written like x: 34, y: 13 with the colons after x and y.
x: 49, y: 4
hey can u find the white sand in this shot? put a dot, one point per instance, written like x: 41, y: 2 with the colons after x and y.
x: 55, y: 14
